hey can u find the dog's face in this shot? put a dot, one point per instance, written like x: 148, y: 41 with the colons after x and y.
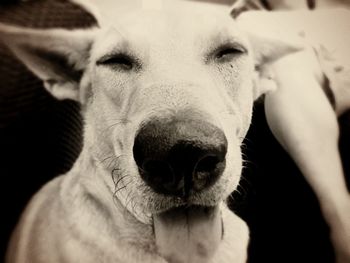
x: 167, y: 97
x: 187, y: 69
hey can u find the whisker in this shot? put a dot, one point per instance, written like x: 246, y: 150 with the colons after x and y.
x: 119, y: 180
x: 127, y: 201
x: 121, y: 188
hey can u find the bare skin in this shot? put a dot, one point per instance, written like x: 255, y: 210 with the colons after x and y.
x: 301, y: 117
x: 290, y: 110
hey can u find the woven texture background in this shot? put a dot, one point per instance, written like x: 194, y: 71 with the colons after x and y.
x: 40, y: 137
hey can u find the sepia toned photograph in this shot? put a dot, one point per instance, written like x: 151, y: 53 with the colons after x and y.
x: 175, y: 131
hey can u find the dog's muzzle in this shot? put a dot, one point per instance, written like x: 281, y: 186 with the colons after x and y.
x: 178, y: 156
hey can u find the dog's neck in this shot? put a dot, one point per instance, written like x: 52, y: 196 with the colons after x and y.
x: 91, y: 203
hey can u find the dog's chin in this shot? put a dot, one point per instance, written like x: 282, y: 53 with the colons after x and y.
x: 186, y: 230
x: 188, y: 233
x: 154, y: 203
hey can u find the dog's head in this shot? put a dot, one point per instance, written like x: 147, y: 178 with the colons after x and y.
x: 167, y: 93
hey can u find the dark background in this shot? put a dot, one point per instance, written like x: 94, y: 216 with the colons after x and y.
x: 40, y: 138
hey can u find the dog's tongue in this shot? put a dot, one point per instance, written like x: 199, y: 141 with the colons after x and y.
x: 188, y: 234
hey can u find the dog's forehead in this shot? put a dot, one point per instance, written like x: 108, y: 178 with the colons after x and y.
x: 130, y: 11
x: 181, y: 22
x: 176, y: 12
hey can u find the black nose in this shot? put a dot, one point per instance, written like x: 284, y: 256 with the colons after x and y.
x: 176, y: 157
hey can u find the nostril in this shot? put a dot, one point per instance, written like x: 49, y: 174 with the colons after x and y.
x: 207, y: 171
x: 207, y: 164
x: 162, y: 176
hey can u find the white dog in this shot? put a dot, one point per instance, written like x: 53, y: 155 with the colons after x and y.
x: 167, y: 89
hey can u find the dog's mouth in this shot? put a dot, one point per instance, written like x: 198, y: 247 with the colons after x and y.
x: 188, y: 233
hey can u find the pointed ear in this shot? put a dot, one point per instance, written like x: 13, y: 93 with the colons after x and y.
x: 269, y: 43
x: 57, y: 56
x: 266, y: 51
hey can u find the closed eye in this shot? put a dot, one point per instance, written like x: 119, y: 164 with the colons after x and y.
x: 227, y: 53
x: 120, y: 61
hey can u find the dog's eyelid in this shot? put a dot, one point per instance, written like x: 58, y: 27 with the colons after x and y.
x: 229, y: 48
x: 114, y: 56
x: 126, y: 61
x: 226, y: 52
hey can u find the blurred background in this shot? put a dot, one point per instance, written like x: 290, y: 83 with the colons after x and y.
x: 40, y: 138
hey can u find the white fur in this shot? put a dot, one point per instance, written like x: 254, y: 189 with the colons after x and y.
x: 101, y: 211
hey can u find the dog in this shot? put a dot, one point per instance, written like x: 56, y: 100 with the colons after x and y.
x: 167, y: 90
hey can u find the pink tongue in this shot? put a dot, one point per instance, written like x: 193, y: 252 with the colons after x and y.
x: 188, y: 234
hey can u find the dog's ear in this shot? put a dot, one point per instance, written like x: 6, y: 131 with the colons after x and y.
x: 57, y: 56
x: 268, y: 44
x: 266, y: 51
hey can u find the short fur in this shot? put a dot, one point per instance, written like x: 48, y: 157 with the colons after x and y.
x: 101, y: 211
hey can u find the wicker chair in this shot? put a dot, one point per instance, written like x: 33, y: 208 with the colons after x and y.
x: 40, y: 137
